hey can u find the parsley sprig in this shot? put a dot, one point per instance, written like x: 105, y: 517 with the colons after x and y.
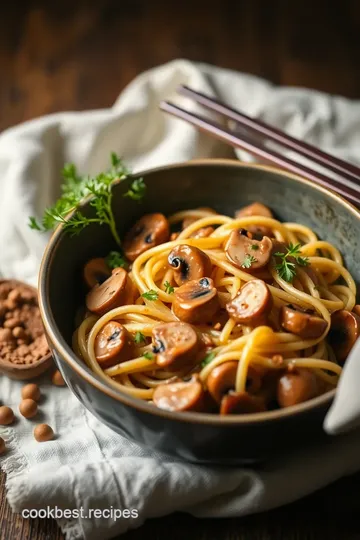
x: 168, y: 288
x: 75, y: 188
x: 286, y: 269
x: 150, y: 295
x: 137, y: 190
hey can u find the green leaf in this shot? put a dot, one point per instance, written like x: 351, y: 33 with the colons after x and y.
x: 150, y: 295
x: 208, y: 358
x: 148, y: 356
x: 33, y: 224
x: 115, y: 259
x: 75, y: 188
x: 139, y: 338
x: 248, y: 261
x: 115, y: 160
x: 168, y: 288
x: 137, y: 190
x: 286, y: 269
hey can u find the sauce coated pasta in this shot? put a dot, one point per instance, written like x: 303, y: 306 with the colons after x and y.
x: 220, y: 314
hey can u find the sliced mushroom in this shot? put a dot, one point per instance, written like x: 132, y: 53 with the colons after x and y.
x: 116, y: 291
x: 221, y: 380
x: 189, y: 262
x: 305, y: 325
x: 247, y: 253
x: 256, y: 209
x: 297, y: 386
x: 180, y: 396
x: 196, y: 301
x: 96, y: 271
x: 150, y: 231
x: 344, y: 331
x: 223, y: 377
x: 241, y: 403
x: 252, y: 304
x: 190, y: 220
x: 204, y: 232
x: 176, y: 344
x: 112, y: 345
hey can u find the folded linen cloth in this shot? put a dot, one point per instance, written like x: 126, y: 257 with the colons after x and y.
x: 88, y: 465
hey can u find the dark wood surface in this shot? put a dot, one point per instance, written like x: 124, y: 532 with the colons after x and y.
x: 74, y: 55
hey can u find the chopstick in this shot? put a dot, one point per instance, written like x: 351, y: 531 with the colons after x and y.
x: 350, y: 188
x: 257, y: 126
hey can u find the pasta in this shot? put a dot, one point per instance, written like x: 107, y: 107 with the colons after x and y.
x: 228, y: 315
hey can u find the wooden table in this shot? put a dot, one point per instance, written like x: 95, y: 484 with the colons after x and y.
x: 66, y: 55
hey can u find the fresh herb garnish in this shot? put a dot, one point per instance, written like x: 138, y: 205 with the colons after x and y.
x: 248, y: 261
x: 254, y: 247
x: 137, y: 190
x: 208, y: 358
x: 139, y: 338
x: 116, y: 259
x: 286, y: 269
x: 75, y: 188
x: 168, y: 288
x: 148, y: 355
x: 150, y: 295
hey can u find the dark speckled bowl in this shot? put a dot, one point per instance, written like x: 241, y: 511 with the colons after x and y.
x: 225, y: 186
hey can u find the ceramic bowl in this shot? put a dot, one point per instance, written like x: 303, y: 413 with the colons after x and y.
x: 226, y: 186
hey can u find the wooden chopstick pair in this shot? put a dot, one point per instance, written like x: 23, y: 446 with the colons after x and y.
x: 348, y: 185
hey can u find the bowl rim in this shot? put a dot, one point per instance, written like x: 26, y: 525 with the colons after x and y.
x: 68, y: 355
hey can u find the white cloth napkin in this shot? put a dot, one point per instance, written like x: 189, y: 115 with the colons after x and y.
x: 87, y: 465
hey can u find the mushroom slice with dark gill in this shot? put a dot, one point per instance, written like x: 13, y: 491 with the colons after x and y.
x: 301, y: 323
x: 296, y: 387
x: 241, y: 403
x: 176, y: 345
x: 96, y: 271
x: 150, y: 231
x: 180, y: 396
x: 116, y: 291
x: 344, y: 331
x: 196, y: 301
x: 252, y: 304
x: 247, y: 253
x: 189, y: 263
x: 112, y: 345
x: 256, y: 209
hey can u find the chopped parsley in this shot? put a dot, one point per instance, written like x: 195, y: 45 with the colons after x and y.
x: 150, y: 295
x: 248, y: 261
x: 148, y: 356
x: 168, y: 288
x: 139, y: 338
x: 115, y: 259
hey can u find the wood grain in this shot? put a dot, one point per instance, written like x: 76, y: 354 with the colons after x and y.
x: 75, y: 55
